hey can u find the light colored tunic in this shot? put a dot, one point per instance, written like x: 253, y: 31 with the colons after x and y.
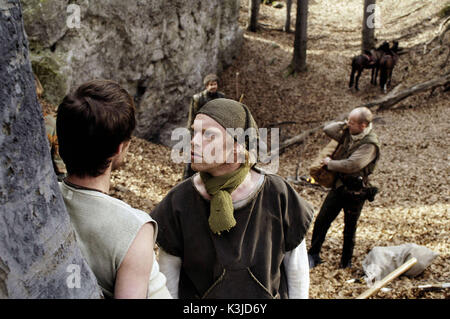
x: 105, y: 228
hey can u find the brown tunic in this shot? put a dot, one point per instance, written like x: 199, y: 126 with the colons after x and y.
x: 247, y: 261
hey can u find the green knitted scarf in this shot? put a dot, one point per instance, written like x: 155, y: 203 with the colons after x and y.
x: 229, y: 114
x: 220, y: 188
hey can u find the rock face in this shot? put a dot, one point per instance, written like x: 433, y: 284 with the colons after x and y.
x: 39, y: 257
x: 159, y: 50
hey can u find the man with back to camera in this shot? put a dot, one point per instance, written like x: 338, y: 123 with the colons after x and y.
x: 355, y: 159
x: 232, y: 231
x: 94, y: 126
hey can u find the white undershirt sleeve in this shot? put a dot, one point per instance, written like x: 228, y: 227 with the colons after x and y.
x: 297, y: 272
x: 170, y: 266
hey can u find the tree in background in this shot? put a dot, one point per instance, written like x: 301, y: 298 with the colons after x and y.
x: 253, y: 12
x: 368, y: 25
x: 298, y: 63
x: 287, y: 24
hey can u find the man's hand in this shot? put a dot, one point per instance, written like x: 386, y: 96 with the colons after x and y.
x: 326, y: 160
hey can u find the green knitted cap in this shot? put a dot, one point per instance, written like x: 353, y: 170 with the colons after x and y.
x: 234, y: 115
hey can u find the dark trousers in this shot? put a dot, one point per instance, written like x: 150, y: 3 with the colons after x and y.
x: 336, y: 200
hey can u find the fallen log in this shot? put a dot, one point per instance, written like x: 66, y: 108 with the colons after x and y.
x: 440, y: 34
x: 383, y: 282
x: 281, y: 123
x: 395, y: 96
x: 300, y: 138
x: 303, y: 136
x: 294, y: 140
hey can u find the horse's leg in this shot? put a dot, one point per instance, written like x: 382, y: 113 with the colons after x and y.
x: 390, y: 78
x: 352, y: 76
x: 376, y: 75
x: 358, y: 75
x: 382, y: 77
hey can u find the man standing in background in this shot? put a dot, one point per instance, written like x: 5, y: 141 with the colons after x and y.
x: 211, y: 83
x: 354, y: 160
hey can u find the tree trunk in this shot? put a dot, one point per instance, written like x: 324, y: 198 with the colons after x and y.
x: 368, y: 25
x: 39, y: 256
x: 287, y: 24
x: 253, y: 12
x: 298, y: 63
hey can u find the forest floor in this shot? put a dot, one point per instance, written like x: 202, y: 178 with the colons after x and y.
x: 413, y: 173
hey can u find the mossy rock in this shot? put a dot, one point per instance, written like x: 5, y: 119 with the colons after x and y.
x: 47, y: 66
x: 45, y: 20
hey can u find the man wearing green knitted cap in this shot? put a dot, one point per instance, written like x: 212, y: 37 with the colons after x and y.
x: 232, y: 230
x: 211, y: 92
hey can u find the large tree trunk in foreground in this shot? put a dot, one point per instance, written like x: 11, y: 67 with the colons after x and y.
x: 39, y: 256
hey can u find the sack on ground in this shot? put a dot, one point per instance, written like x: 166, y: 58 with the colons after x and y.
x: 318, y: 171
x: 381, y: 261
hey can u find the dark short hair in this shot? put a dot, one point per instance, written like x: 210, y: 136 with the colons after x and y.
x: 91, y: 123
x: 210, y: 78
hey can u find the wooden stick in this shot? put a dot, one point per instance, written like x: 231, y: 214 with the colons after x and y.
x: 383, y: 282
x: 294, y: 140
x: 435, y: 286
x: 237, y: 85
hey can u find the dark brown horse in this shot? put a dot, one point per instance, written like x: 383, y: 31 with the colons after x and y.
x: 377, y: 55
x: 367, y: 60
x: 387, y: 64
